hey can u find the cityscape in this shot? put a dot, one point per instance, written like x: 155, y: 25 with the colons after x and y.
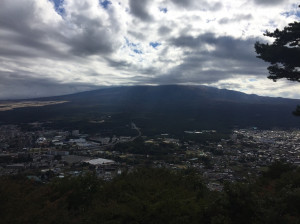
x: 44, y: 154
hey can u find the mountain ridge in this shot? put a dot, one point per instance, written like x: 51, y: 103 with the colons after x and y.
x: 198, y: 87
x: 163, y: 109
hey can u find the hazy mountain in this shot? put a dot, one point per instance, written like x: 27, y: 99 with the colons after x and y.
x: 163, y: 109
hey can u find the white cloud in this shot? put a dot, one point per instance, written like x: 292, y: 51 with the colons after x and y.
x: 260, y: 86
x: 85, y: 45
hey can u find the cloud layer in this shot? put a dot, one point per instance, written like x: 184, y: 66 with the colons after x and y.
x: 52, y: 47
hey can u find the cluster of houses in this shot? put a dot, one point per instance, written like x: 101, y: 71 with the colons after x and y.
x: 59, y: 153
x: 43, y: 154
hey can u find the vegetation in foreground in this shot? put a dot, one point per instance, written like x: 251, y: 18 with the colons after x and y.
x: 153, y: 196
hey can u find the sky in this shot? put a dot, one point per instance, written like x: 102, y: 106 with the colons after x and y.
x: 55, y: 47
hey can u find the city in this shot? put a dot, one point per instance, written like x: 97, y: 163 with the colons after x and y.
x: 42, y: 154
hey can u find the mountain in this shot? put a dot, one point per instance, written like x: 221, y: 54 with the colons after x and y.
x: 158, y: 109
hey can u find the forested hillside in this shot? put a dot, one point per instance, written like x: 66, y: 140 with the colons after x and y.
x: 153, y: 196
x: 158, y: 109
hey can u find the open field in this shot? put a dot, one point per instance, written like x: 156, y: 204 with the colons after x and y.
x: 13, y: 105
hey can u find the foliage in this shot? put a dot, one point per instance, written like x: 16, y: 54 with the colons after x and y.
x: 153, y: 196
x: 205, y: 138
x: 283, y: 53
x: 138, y: 146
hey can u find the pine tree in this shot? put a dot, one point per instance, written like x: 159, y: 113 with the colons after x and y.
x: 283, y: 53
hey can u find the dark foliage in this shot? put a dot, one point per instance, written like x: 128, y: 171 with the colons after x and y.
x: 153, y: 196
x: 283, y: 53
x: 138, y: 146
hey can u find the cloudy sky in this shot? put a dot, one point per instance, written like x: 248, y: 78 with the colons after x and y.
x: 54, y: 47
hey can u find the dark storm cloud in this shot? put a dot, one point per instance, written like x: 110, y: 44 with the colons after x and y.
x: 139, y: 8
x: 91, y: 36
x: 19, y: 31
x: 208, y: 59
x: 26, y: 86
x: 119, y: 64
x: 226, y: 47
x: 223, y: 58
x: 175, y: 76
x: 183, y: 3
x: 131, y: 68
x: 163, y: 30
x: 236, y: 18
x: 137, y: 35
x: 200, y: 4
x: 91, y: 42
x: 215, y: 7
x: 20, y: 45
x: 269, y: 2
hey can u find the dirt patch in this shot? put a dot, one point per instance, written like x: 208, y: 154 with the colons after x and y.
x: 13, y: 105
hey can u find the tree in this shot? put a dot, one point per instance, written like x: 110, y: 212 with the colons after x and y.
x: 283, y: 53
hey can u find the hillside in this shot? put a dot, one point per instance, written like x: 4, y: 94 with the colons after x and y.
x: 152, y: 196
x: 158, y: 109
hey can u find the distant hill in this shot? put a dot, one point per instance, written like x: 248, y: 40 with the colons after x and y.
x: 158, y: 109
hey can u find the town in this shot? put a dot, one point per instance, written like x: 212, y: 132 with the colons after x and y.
x: 42, y: 154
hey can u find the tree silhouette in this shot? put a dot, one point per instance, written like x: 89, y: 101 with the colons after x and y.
x: 283, y: 54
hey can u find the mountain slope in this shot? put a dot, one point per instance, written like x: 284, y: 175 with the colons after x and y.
x: 158, y: 109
